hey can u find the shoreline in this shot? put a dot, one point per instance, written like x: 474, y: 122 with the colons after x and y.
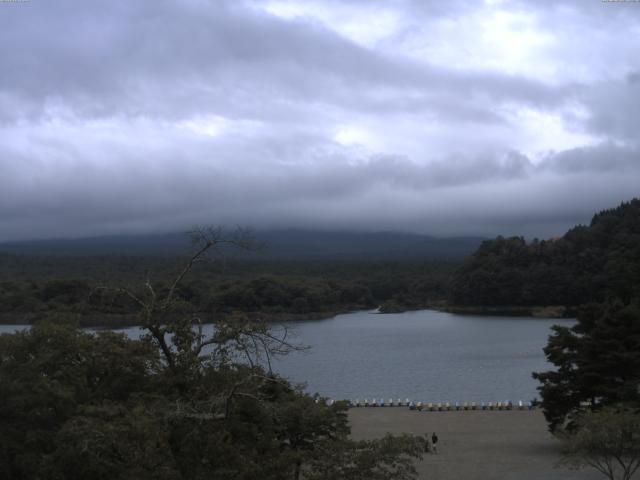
x: 117, y: 321
x: 536, y: 311
x: 546, y: 311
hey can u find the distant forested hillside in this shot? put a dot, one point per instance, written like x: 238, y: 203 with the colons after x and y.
x: 299, y: 274
x: 281, y: 245
x: 33, y: 286
x: 588, y: 264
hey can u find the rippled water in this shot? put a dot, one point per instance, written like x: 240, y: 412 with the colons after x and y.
x: 423, y: 355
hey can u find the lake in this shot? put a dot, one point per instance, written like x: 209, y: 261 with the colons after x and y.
x: 422, y: 355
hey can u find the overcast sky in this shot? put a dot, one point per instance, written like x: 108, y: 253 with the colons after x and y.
x: 452, y: 117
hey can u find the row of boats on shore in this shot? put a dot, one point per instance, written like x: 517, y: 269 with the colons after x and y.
x: 443, y: 406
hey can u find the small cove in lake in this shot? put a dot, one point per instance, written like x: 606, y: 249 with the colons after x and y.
x: 422, y: 355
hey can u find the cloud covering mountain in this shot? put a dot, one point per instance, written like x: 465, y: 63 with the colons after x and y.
x: 446, y: 118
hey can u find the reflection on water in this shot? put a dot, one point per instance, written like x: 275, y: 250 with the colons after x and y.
x: 423, y: 355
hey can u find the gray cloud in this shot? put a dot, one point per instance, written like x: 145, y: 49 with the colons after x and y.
x: 136, y: 116
x: 606, y: 157
x: 453, y: 195
x: 614, y: 107
x: 123, y: 57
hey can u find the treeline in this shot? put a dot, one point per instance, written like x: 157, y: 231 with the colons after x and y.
x: 594, y: 270
x: 87, y: 287
x: 588, y: 264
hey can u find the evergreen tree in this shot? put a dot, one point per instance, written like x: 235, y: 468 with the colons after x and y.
x: 597, y: 361
x: 588, y: 264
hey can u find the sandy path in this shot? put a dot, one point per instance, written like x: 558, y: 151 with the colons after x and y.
x: 475, y: 445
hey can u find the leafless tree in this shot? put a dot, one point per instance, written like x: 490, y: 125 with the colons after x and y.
x: 184, y: 346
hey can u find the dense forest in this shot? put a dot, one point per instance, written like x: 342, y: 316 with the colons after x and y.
x: 588, y: 264
x: 32, y: 286
x: 175, y: 404
x: 597, y: 360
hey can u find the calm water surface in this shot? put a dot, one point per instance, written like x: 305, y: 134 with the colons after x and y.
x: 423, y: 355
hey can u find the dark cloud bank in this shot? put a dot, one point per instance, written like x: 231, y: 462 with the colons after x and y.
x: 125, y: 117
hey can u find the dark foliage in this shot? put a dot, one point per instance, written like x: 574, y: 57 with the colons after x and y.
x: 176, y: 404
x: 589, y: 263
x: 31, y: 287
x: 76, y: 405
x: 597, y: 360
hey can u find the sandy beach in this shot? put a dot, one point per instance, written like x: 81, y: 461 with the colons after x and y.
x: 475, y: 445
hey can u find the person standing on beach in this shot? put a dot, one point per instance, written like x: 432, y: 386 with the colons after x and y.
x: 434, y: 442
x: 427, y: 449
